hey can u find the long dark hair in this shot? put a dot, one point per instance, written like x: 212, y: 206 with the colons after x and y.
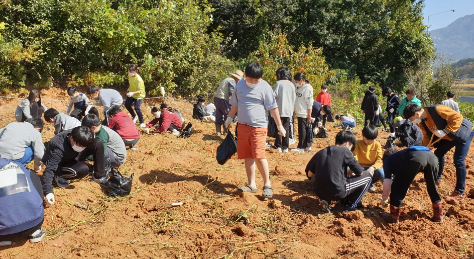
x: 32, y: 97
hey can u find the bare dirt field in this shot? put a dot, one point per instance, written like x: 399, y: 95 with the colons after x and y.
x: 215, y: 222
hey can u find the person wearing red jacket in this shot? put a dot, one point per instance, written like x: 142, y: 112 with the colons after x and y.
x: 166, y: 120
x: 325, y: 99
x: 121, y: 123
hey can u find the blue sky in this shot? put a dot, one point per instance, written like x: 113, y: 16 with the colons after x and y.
x: 440, y: 15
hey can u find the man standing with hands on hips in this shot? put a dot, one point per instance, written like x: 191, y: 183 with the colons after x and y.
x: 251, y: 98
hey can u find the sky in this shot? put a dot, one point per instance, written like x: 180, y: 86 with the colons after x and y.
x: 440, y: 15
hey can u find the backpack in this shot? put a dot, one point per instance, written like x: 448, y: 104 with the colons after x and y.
x: 186, y: 131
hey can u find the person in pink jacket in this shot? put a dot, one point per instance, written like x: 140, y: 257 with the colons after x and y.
x: 167, y: 121
x: 121, y: 123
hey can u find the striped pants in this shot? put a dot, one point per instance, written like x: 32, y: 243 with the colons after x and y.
x: 356, y: 187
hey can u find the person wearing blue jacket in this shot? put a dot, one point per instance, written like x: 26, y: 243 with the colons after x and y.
x: 21, y: 203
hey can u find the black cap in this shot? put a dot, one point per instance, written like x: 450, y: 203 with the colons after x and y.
x: 371, y: 88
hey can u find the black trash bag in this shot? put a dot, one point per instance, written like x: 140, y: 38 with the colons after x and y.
x: 226, y: 149
x: 117, y: 184
x: 272, y: 127
x: 389, y: 143
x: 377, y: 122
x: 186, y: 131
x: 322, y: 133
x: 309, y: 133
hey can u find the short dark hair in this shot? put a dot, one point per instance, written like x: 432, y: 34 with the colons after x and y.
x: 299, y: 77
x: 133, y: 67
x: 346, y: 136
x: 370, y: 132
x: 389, y: 151
x: 283, y: 73
x: 93, y: 89
x: 324, y: 86
x: 450, y: 94
x: 94, y: 110
x: 114, y: 110
x: 254, y: 70
x: 83, y: 136
x: 50, y: 114
x: 71, y: 90
x: 91, y: 120
x: 337, y: 116
x: 327, y: 109
x: 410, y: 91
x: 163, y: 106
x: 387, y: 91
x: 410, y: 110
x: 37, y: 123
x: 201, y: 99
x: 154, y: 109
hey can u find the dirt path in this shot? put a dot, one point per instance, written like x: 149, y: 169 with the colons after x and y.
x: 215, y: 222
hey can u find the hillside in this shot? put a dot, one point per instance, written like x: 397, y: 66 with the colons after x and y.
x: 456, y: 40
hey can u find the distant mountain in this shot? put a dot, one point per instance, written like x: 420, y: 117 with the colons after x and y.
x: 456, y: 40
x: 465, y: 68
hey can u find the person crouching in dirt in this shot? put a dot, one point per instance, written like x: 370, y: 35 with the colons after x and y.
x: 252, y: 98
x: 21, y: 202
x: 400, y: 169
x: 62, y: 161
x: 328, y: 170
x: 166, y: 120
x: 198, y: 109
x: 121, y: 123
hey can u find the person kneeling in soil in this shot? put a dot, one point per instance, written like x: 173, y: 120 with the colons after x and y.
x: 21, y: 202
x: 124, y: 126
x: 62, y: 161
x: 198, y: 109
x: 168, y: 121
x: 60, y: 121
x: 328, y: 170
x: 114, y: 147
x: 403, y: 166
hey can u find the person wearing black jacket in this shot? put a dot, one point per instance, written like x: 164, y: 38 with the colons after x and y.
x: 409, y: 134
x: 328, y: 170
x: 393, y: 101
x: 198, y: 110
x: 370, y: 106
x: 64, y: 159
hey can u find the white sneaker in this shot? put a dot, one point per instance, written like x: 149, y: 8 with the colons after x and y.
x: 37, y: 236
x: 268, y: 145
x: 135, y: 119
x: 175, y: 132
x: 5, y: 243
x: 299, y: 150
x: 142, y: 125
x: 279, y: 150
x: 308, y: 149
x: 285, y: 150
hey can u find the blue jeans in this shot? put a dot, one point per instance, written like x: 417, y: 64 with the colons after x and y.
x: 137, y: 105
x: 27, y: 156
x: 351, y: 124
x: 378, y: 174
x: 460, y: 152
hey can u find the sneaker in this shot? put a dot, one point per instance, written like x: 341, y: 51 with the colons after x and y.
x: 175, y: 132
x: 268, y: 145
x: 142, y: 125
x: 218, y: 134
x: 456, y: 195
x: 325, y: 205
x: 279, y: 150
x: 135, y: 119
x: 292, y: 141
x: 285, y: 150
x: 372, y: 188
x: 299, y: 150
x: 61, y: 182
x: 134, y: 147
x: 308, y: 149
x: 37, y: 236
x: 5, y: 243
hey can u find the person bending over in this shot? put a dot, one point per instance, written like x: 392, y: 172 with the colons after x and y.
x: 60, y: 121
x: 328, y: 171
x: 80, y: 103
x: 124, y: 126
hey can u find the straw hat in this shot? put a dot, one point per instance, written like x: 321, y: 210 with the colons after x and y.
x: 237, y: 74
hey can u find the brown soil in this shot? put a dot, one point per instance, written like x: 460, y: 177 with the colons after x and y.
x: 215, y: 222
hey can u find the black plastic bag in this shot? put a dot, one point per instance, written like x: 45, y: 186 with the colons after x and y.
x: 377, y: 122
x: 309, y: 133
x: 272, y: 127
x: 186, y: 131
x: 117, y: 184
x: 226, y: 149
x: 322, y: 133
x: 389, y: 143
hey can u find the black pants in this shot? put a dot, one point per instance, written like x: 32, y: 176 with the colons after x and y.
x: 369, y: 119
x: 78, y: 113
x: 36, y: 112
x: 390, y: 118
x: 130, y: 143
x: 303, y: 141
x: 98, y: 154
x: 283, y: 142
x: 414, y: 162
x: 356, y: 187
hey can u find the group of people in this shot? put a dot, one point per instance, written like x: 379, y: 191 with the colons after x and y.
x: 342, y: 172
x: 82, y: 145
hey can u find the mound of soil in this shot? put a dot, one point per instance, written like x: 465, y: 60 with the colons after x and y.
x: 216, y: 222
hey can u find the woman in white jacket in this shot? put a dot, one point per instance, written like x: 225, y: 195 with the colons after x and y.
x: 30, y: 107
x: 303, y: 108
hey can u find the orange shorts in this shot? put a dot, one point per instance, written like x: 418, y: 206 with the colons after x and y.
x: 250, y: 141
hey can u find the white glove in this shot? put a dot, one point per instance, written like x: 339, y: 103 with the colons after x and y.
x: 87, y: 109
x: 38, y: 167
x: 377, y: 113
x: 313, y: 120
x: 281, y: 130
x: 391, y: 110
x: 384, y: 202
x: 129, y: 94
x: 147, y: 130
x: 316, y: 131
x: 387, y: 187
x: 50, y: 198
x: 320, y: 124
x: 439, y: 133
x: 227, y: 122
